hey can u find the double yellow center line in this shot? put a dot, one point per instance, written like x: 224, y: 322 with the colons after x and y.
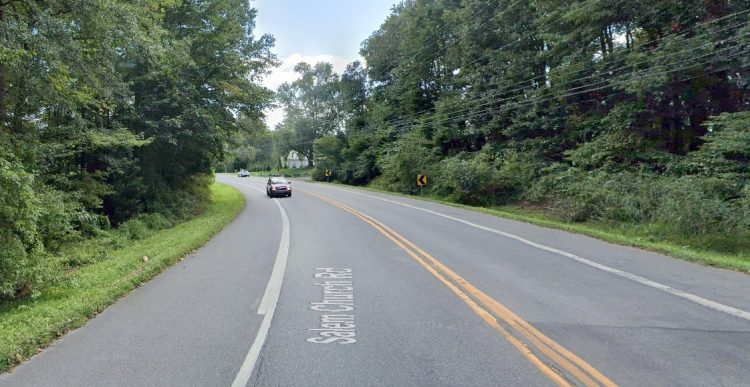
x: 552, y: 359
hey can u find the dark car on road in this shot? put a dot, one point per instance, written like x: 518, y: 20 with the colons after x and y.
x: 278, y: 186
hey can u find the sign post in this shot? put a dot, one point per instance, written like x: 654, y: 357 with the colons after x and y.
x: 328, y: 175
x: 421, y: 182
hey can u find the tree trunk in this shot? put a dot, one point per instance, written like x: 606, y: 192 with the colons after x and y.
x: 628, y: 37
x: 610, y: 39
x: 675, y: 124
x: 310, y: 159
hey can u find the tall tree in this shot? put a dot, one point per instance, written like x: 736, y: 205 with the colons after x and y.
x: 312, y: 106
x: 112, y: 108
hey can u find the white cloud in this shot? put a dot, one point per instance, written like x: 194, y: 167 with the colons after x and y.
x: 274, y: 117
x: 285, y: 73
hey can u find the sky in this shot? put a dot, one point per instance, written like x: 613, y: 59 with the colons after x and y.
x: 314, y: 31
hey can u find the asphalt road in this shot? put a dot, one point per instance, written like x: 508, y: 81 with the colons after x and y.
x: 341, y: 287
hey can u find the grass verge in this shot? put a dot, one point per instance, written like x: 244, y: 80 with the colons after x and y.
x: 31, y: 324
x: 622, y: 234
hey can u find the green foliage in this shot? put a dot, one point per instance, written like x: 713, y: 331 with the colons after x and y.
x: 711, y: 208
x: 21, y: 258
x: 319, y: 174
x: 312, y: 106
x: 110, y: 110
x: 608, y: 151
x: 403, y: 161
x: 744, y: 204
x: 156, y: 221
x: 64, y: 219
x: 134, y: 229
x: 105, y: 269
x: 327, y: 156
x: 727, y: 148
x: 476, y: 179
x: 467, y: 181
x: 624, y: 113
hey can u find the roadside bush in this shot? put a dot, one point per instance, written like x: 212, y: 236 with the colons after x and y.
x: 360, y: 159
x: 727, y: 148
x: 483, y: 178
x: 403, y: 161
x: 184, y: 202
x: 693, y: 205
x: 134, y: 229
x: 155, y: 221
x: 141, y: 226
x: 22, y: 257
x: 744, y: 203
x: 467, y: 180
x: 567, y: 193
x: 63, y: 220
x: 318, y: 174
x: 687, y: 205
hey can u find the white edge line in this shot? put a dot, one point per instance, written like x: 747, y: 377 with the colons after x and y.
x: 273, y: 289
x: 633, y: 277
x: 269, y: 301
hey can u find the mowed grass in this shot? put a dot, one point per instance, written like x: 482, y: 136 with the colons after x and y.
x: 28, y: 325
x: 706, y: 250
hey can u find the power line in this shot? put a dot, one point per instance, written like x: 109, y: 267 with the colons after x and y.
x: 640, y: 45
x: 491, y: 110
x: 416, y: 55
x: 592, y: 87
x: 605, y: 82
x: 612, y: 82
x: 570, y: 92
x: 497, y: 49
x: 396, y: 65
x: 497, y: 92
x: 549, y: 98
x: 436, y: 41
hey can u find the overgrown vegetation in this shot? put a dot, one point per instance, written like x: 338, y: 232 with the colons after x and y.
x: 113, y: 113
x: 92, y: 275
x: 620, y: 113
x: 288, y: 172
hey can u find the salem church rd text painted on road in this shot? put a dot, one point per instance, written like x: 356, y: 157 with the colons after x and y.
x: 337, y: 324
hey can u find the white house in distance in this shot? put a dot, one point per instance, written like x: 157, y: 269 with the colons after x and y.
x: 295, y: 160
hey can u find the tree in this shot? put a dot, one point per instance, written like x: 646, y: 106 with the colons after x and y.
x: 109, y: 109
x: 593, y: 108
x: 312, y: 106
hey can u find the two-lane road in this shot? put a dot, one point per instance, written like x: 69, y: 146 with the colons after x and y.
x: 337, y: 286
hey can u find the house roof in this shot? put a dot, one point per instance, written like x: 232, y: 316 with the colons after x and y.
x: 294, y: 156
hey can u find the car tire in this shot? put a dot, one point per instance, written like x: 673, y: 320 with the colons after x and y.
x: 289, y: 194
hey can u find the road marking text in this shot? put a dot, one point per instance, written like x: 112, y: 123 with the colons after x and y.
x: 337, y: 325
